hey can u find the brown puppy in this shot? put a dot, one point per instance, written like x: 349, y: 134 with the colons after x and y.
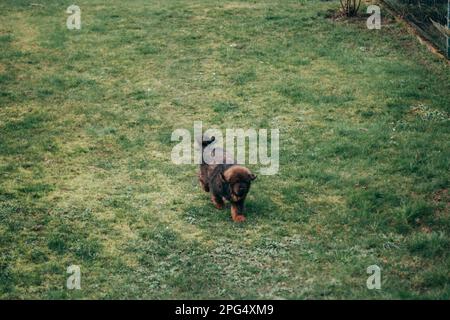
x: 226, y: 181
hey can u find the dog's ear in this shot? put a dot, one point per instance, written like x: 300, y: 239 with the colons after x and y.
x: 251, y: 176
x: 222, y: 176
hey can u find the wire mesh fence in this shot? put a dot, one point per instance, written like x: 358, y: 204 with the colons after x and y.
x: 429, y: 17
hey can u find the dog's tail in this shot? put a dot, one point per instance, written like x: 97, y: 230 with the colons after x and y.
x: 205, y: 141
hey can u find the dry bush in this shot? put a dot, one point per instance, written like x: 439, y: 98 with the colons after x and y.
x: 350, y: 7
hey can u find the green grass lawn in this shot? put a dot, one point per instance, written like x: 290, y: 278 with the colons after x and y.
x: 86, y: 177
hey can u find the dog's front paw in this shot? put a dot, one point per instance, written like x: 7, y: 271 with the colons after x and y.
x: 218, y: 205
x: 239, y: 218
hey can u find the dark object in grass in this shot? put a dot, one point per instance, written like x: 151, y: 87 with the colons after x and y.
x: 226, y: 181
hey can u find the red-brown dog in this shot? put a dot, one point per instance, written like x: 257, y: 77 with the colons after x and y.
x: 226, y: 181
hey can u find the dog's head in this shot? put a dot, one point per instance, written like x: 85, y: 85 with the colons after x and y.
x: 240, y: 179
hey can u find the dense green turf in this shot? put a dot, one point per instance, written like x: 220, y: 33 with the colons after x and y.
x: 85, y: 171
